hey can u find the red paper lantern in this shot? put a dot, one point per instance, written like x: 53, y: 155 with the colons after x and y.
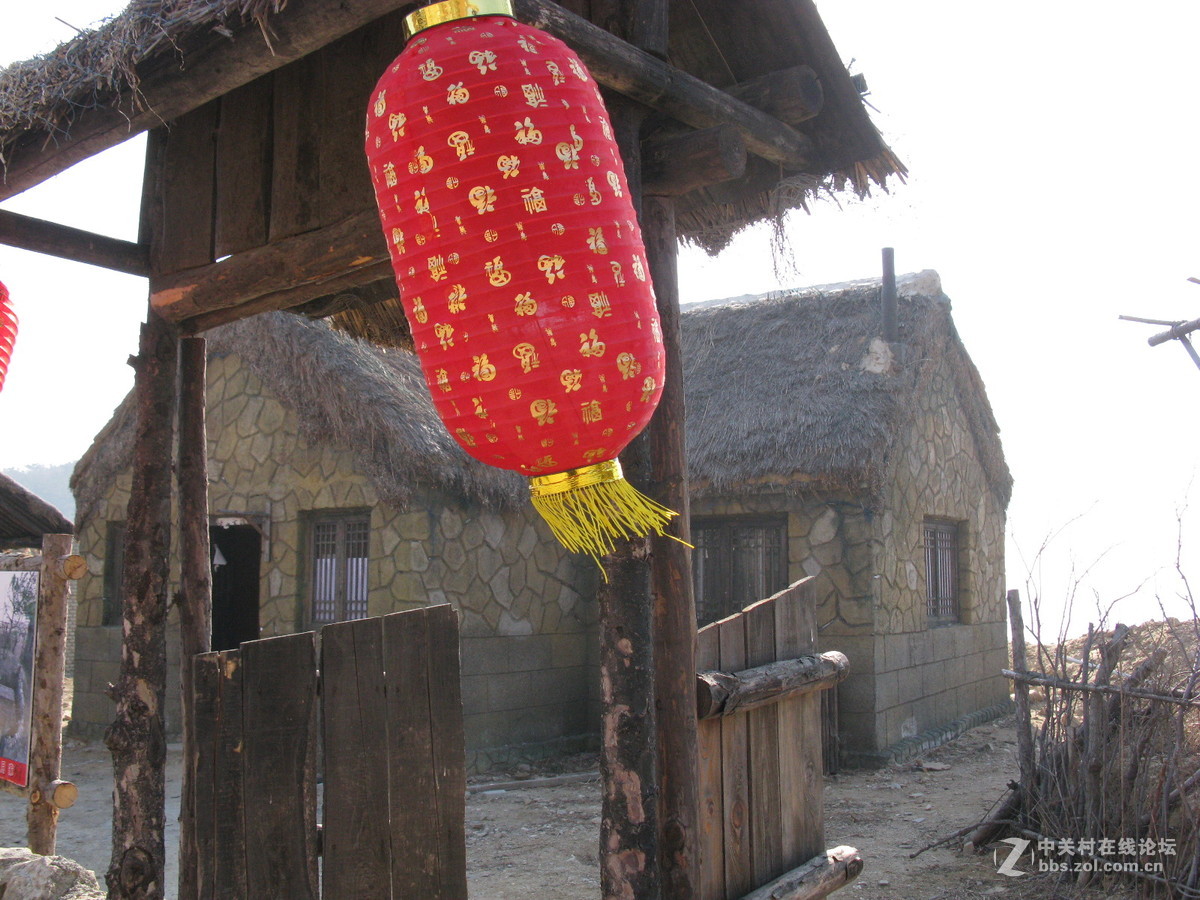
x: 8, y: 332
x: 520, y: 262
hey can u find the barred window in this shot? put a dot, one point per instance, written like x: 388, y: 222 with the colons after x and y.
x: 737, y: 561
x: 339, y: 551
x: 942, y: 587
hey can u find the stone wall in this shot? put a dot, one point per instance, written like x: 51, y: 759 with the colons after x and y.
x: 928, y: 674
x: 526, y: 627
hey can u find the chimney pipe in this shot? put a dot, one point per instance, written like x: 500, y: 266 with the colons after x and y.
x: 891, y: 332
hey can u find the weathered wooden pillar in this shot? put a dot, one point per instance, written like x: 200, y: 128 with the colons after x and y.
x: 195, y: 597
x: 674, y: 603
x: 137, y: 735
x: 47, y: 792
x: 628, y: 758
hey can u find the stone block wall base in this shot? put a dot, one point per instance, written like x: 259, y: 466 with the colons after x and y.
x: 496, y: 760
x: 926, y: 740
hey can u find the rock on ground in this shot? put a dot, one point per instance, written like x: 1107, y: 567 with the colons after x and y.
x: 27, y: 876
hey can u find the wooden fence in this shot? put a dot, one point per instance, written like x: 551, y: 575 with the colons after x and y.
x: 390, y: 719
x: 761, y: 775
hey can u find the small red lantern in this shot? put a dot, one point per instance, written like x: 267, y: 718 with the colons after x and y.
x: 8, y: 332
x: 520, y: 262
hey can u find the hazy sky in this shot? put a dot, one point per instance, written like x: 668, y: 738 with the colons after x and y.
x: 1051, y: 145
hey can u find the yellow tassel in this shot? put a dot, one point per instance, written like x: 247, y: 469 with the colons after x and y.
x: 589, y: 508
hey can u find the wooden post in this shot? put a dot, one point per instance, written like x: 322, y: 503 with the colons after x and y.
x: 1021, y: 693
x: 674, y: 603
x: 195, y: 601
x: 45, y: 752
x: 628, y: 765
x: 136, y: 737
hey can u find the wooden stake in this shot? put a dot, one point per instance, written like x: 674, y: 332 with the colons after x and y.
x: 136, y: 737
x: 1025, y: 758
x: 45, y: 751
x: 819, y: 877
x: 195, y: 601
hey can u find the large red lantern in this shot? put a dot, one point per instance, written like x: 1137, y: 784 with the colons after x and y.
x: 520, y: 262
x: 8, y: 332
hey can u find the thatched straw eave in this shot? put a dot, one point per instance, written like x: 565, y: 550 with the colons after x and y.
x: 25, y: 517
x: 87, y: 94
x: 785, y: 392
x: 345, y: 393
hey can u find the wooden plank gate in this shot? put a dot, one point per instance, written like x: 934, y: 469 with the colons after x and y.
x: 387, y: 703
x: 760, y: 747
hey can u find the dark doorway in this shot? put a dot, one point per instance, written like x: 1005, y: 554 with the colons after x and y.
x: 236, y: 552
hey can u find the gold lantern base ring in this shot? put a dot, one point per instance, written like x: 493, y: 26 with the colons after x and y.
x: 588, y: 509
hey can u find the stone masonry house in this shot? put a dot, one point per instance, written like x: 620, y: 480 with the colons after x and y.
x: 336, y: 493
x: 815, y: 448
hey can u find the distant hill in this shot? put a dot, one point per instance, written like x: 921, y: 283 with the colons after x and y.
x: 51, y: 483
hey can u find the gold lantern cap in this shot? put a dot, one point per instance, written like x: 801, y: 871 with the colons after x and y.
x: 452, y: 10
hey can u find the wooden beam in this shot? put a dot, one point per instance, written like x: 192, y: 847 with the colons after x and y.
x: 659, y: 85
x: 724, y: 693
x: 674, y: 166
x: 66, y: 242
x: 213, y: 66
x: 819, y: 877
x: 790, y: 95
x: 286, y: 273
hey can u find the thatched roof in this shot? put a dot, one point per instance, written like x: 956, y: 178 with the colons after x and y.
x: 368, y: 400
x: 47, y: 100
x: 778, y: 396
x: 25, y: 517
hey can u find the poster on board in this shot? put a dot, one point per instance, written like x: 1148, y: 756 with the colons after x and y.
x: 18, y: 630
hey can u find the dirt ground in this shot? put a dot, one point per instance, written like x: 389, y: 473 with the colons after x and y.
x: 538, y: 838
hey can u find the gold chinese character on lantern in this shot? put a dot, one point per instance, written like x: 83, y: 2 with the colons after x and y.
x: 534, y: 95
x: 482, y: 369
x: 437, y: 268
x: 456, y: 300
x: 596, y: 240
x: 430, y: 70
x: 525, y: 305
x: 570, y: 379
x: 419, y: 311
x: 526, y: 355
x: 510, y: 166
x: 381, y: 104
x: 534, y: 199
x: 527, y: 133
x: 396, y: 122
x: 544, y: 411
x: 590, y: 411
x: 614, y: 182
x: 551, y: 266
x: 601, y: 306
x: 591, y: 345
x: 461, y: 142
x: 648, y: 387
x: 485, y: 60
x: 456, y: 94
x: 483, y: 198
x: 628, y: 366
x: 445, y: 334
x: 497, y: 275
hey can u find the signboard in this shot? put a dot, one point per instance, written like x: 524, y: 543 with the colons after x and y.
x: 18, y: 630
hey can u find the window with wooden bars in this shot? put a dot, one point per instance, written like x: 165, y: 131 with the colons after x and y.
x: 942, y: 578
x: 737, y: 561
x: 338, y: 548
